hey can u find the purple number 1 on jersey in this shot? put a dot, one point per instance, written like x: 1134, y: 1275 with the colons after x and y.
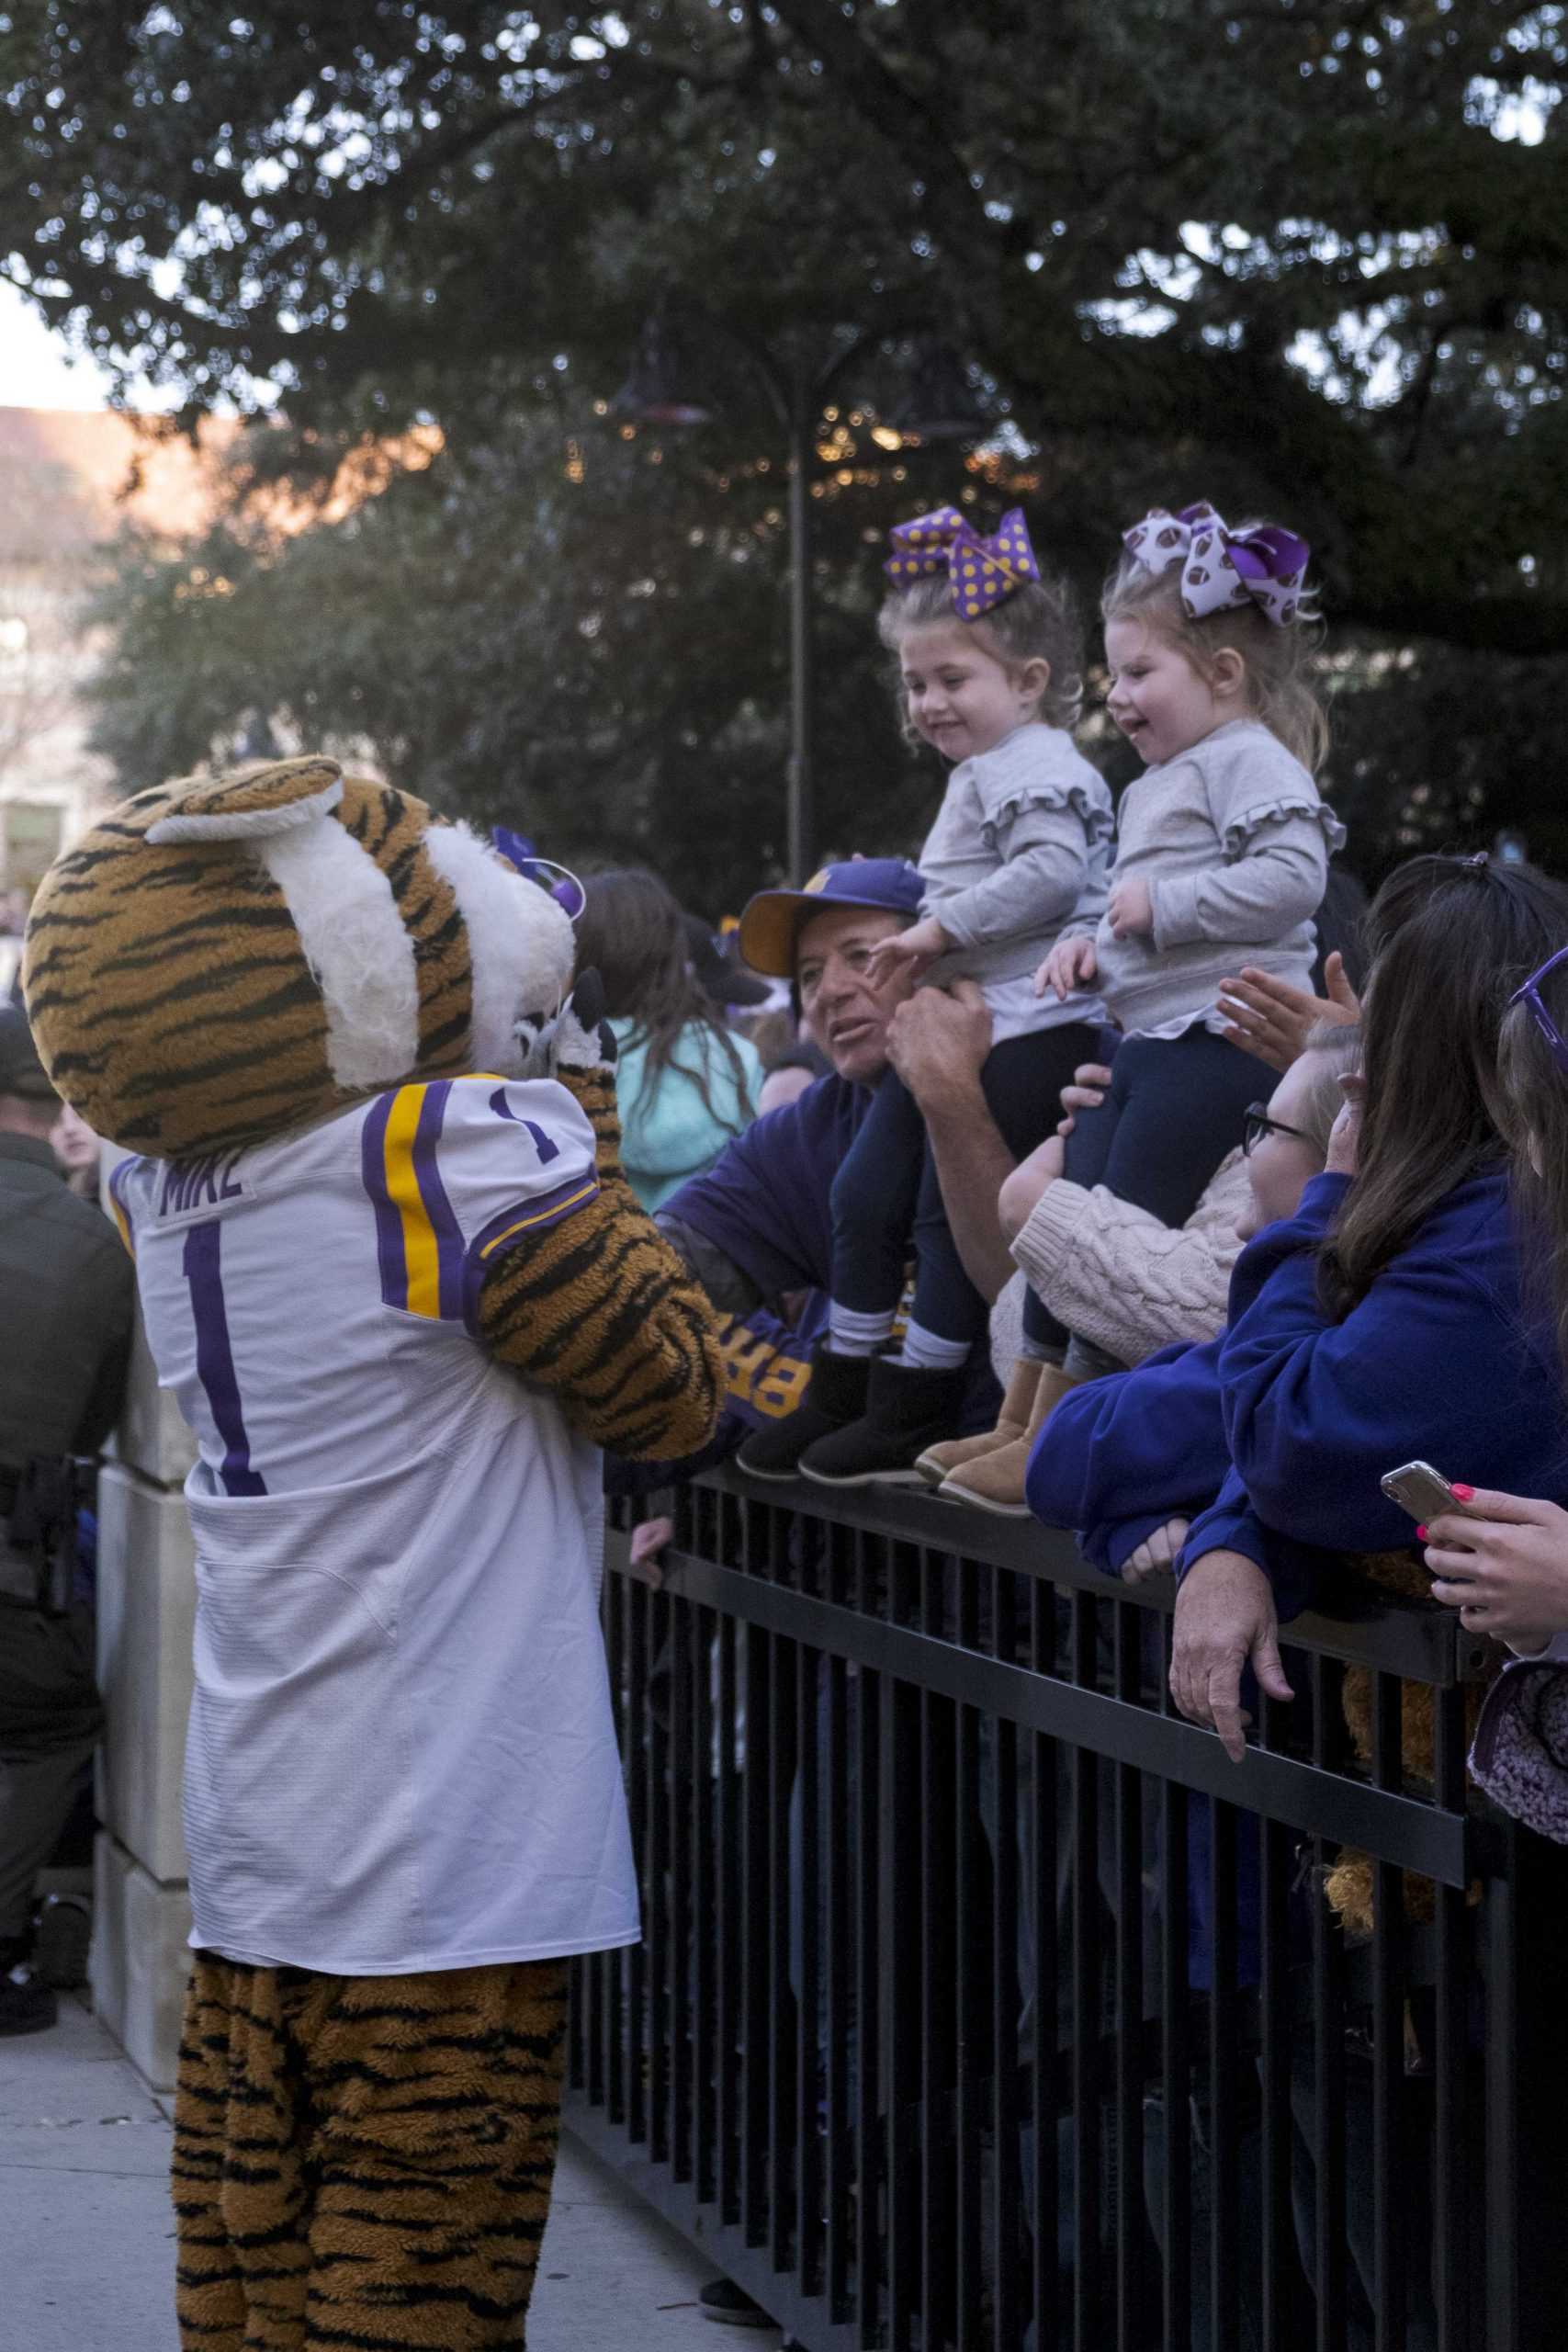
x: 215, y: 1356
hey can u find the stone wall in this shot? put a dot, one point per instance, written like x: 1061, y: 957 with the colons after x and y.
x: 146, y: 1609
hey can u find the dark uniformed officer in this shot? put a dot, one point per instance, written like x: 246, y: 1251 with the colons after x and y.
x: 66, y: 1300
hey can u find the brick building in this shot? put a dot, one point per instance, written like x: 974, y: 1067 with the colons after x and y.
x: 68, y: 479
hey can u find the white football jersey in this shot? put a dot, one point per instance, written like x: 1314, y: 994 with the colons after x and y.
x: 400, y: 1753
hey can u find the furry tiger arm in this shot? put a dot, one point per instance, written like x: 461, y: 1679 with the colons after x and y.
x: 601, y: 1311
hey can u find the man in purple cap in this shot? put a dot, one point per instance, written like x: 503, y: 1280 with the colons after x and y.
x: 757, y: 1228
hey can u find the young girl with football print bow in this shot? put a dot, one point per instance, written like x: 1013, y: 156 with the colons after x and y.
x: 989, y: 668
x: 1222, y: 849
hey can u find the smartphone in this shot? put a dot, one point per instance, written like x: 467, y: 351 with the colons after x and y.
x: 1417, y: 1487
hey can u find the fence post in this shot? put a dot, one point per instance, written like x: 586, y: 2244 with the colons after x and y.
x: 1527, y: 2124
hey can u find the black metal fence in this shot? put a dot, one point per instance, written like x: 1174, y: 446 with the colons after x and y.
x: 983, y: 2003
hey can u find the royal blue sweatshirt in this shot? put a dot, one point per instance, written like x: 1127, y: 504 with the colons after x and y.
x: 1120, y: 1456
x: 1438, y: 1363
x: 1273, y: 1438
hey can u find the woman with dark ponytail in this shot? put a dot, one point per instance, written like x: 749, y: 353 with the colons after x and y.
x: 1390, y: 1320
x: 1502, y: 1559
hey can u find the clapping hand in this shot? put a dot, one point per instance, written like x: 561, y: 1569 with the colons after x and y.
x: 1270, y: 1018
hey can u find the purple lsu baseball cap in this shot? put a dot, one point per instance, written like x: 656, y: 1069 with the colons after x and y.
x: 771, y: 924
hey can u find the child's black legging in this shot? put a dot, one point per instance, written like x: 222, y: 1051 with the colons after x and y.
x: 886, y: 1195
x: 1174, y: 1109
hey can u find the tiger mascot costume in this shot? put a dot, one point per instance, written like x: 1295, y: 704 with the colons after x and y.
x: 394, y: 1275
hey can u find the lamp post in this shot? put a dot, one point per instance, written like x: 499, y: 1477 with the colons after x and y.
x: 798, y: 395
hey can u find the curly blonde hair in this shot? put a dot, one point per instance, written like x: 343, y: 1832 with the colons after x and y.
x: 1280, y: 690
x: 1038, y: 622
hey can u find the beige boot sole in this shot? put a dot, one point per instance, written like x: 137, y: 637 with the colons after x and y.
x: 939, y: 1462
x: 996, y: 1482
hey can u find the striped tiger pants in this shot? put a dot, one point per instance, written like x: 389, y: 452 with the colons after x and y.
x: 363, y: 2164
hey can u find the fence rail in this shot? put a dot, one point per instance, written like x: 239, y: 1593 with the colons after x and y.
x: 983, y: 2004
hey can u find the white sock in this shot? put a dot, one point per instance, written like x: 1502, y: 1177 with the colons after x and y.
x: 850, y: 1334
x: 931, y: 1352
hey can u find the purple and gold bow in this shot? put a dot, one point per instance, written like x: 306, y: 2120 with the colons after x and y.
x: 1221, y: 568
x: 983, y: 572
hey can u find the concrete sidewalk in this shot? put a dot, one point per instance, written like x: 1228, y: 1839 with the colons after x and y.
x: 86, y: 2236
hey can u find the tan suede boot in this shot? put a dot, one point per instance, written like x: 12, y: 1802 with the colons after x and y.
x: 996, y: 1481
x: 1018, y: 1402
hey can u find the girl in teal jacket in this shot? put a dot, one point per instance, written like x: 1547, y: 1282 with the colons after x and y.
x: 684, y: 1082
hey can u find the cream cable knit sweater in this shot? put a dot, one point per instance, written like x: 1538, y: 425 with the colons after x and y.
x: 1119, y: 1277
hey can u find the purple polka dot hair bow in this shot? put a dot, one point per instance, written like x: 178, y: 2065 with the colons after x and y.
x: 983, y: 572
x: 1221, y: 568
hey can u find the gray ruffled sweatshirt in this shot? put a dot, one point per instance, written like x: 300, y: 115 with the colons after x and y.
x: 1020, y: 843
x: 1233, y: 840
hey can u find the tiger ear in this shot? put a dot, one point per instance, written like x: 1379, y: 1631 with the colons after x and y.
x: 252, y: 804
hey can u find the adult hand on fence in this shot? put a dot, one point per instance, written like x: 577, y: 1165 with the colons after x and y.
x: 1155, y: 1555
x: 648, y: 1543
x: 1224, y: 1621
x: 1503, y: 1563
x: 1270, y: 1018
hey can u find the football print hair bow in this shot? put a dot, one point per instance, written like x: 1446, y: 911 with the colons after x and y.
x: 983, y: 572
x: 1221, y: 568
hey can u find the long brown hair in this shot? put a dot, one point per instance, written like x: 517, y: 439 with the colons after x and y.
x: 1451, y: 939
x: 1533, y: 1114
x: 631, y: 931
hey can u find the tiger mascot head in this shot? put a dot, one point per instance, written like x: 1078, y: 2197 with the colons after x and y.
x: 221, y: 959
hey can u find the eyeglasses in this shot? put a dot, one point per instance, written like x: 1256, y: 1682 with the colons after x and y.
x: 1556, y: 1044
x: 1256, y: 1124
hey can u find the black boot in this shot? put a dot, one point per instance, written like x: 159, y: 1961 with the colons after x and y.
x: 834, y: 1395
x: 26, y: 2004
x: 907, y: 1409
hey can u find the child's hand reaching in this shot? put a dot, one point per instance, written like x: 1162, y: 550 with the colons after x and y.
x: 1130, y: 909
x: 908, y: 951
x: 1071, y: 964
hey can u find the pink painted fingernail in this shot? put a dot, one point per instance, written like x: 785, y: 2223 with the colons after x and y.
x: 1421, y: 1535
x: 1464, y: 1493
